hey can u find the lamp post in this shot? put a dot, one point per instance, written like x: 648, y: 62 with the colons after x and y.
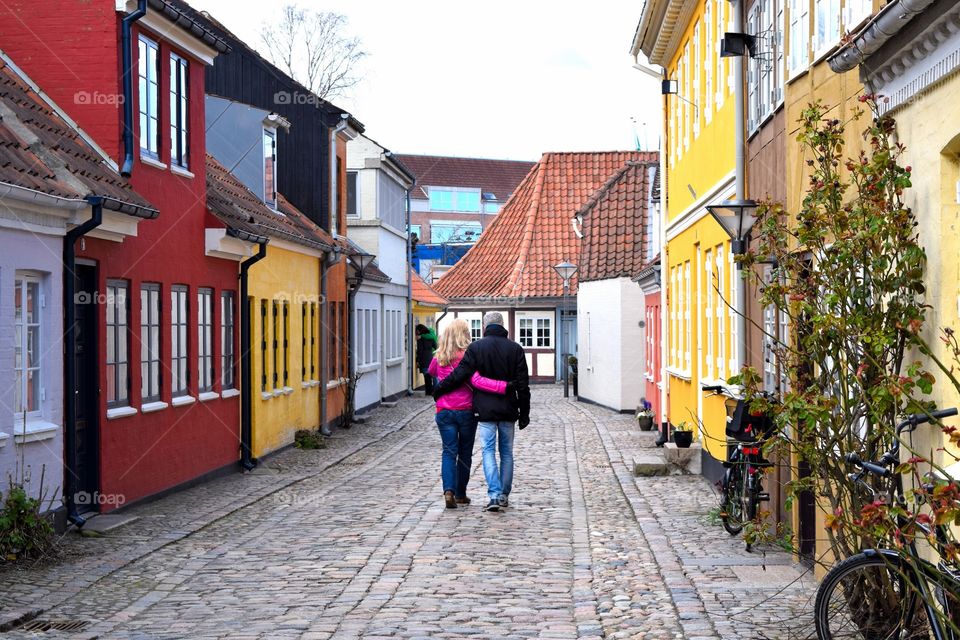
x: 566, y: 271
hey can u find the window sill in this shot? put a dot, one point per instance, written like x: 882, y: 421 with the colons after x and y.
x: 392, y: 362
x: 367, y: 368
x: 310, y: 384
x: 150, y: 407
x: 120, y: 412
x: 182, y: 401
x: 209, y: 395
x: 3, y: 439
x: 181, y: 171
x: 152, y: 162
x: 333, y: 384
x: 277, y: 393
x: 35, y: 431
x: 287, y: 390
x: 683, y: 375
x: 230, y: 393
x: 265, y: 395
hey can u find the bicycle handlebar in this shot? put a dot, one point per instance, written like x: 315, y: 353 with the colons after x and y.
x: 917, y: 419
x: 876, y: 468
x: 715, y: 388
x: 882, y: 467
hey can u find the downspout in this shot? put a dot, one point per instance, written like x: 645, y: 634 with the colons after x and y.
x: 126, y: 54
x: 409, y: 266
x: 334, y: 178
x: 741, y: 143
x: 247, y: 461
x: 70, y: 350
x: 325, y: 265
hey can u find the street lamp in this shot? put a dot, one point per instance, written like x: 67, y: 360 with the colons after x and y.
x: 565, y: 270
x: 737, y: 218
x: 361, y: 260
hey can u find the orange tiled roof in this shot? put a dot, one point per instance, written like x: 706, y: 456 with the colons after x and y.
x: 423, y: 293
x: 39, y: 150
x: 613, y: 244
x: 515, y: 255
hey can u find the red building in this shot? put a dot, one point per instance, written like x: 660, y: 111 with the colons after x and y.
x: 166, y: 410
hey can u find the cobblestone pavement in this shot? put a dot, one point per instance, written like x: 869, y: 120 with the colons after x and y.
x: 353, y: 542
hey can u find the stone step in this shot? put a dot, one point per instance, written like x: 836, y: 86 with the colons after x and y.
x: 683, y: 461
x: 650, y: 463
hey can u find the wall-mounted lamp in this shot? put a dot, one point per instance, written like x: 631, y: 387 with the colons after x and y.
x: 669, y: 87
x: 737, y: 44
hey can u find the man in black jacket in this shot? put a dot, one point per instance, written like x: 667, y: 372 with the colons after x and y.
x: 495, y: 356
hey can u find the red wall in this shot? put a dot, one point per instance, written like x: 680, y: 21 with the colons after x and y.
x: 75, y: 47
x: 652, y: 390
x: 71, y: 50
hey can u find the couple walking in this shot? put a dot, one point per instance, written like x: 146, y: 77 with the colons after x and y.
x: 483, y: 388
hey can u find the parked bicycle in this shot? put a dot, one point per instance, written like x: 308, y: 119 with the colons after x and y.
x: 888, y: 593
x: 742, y: 485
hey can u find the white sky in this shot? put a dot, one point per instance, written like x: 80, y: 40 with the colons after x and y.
x: 495, y: 79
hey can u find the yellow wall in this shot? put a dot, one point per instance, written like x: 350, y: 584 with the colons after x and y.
x: 427, y: 316
x: 931, y: 134
x: 284, y: 275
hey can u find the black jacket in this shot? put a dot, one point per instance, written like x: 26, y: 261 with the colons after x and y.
x: 426, y: 344
x: 494, y: 356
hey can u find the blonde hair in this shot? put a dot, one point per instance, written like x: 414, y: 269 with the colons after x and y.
x: 454, y: 339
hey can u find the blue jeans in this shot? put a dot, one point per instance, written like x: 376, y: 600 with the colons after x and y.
x: 499, y: 481
x: 458, y: 429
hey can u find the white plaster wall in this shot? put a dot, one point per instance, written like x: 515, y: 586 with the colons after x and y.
x: 610, y: 342
x: 368, y: 387
x: 395, y: 373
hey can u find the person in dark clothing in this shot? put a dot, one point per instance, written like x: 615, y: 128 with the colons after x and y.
x: 495, y: 356
x: 426, y: 345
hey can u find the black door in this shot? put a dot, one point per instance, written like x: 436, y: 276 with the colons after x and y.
x: 87, y: 388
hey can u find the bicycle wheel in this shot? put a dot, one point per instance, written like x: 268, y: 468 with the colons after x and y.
x: 731, y: 506
x: 869, y: 597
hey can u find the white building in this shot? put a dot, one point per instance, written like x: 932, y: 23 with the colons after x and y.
x: 377, y: 186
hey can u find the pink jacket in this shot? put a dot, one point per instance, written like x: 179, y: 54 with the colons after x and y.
x: 462, y: 399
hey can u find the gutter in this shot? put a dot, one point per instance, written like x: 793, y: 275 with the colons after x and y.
x: 126, y: 53
x: 247, y: 461
x: 70, y: 364
x: 883, y: 26
x: 325, y: 266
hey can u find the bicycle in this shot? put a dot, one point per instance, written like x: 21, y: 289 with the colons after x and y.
x: 742, y: 485
x: 877, y: 593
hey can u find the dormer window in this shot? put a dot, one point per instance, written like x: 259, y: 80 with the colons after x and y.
x: 179, y: 111
x: 270, y: 167
x: 149, y: 94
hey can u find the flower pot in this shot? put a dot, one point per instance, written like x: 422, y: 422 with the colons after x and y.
x: 683, y: 439
x: 645, y: 423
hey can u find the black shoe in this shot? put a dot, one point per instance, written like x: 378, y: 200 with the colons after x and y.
x: 503, y: 501
x: 463, y: 500
x: 493, y: 505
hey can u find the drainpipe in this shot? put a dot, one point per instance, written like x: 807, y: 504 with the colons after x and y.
x: 325, y: 266
x: 409, y: 265
x: 334, y: 178
x: 741, y: 143
x: 247, y: 461
x: 126, y: 54
x: 70, y: 350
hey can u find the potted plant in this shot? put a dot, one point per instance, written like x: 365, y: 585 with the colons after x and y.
x: 683, y: 435
x: 645, y: 415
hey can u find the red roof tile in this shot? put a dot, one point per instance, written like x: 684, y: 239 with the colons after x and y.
x: 613, y: 244
x: 238, y: 208
x: 39, y: 150
x: 515, y: 255
x: 423, y: 293
x: 499, y: 177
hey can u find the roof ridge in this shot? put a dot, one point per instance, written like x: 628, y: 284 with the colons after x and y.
x: 532, y: 211
x: 597, y: 195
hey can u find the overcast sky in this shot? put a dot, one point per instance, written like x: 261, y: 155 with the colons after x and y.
x: 496, y: 79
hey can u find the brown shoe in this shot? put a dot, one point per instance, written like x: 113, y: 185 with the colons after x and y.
x: 449, y: 500
x: 463, y: 500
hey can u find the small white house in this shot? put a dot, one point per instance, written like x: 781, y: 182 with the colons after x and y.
x: 377, y: 186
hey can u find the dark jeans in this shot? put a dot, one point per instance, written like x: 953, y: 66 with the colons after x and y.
x: 427, y: 382
x: 457, y: 432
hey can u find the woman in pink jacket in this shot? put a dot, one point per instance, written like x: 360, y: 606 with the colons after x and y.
x: 455, y: 417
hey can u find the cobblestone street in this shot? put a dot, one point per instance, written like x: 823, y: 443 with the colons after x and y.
x: 353, y: 542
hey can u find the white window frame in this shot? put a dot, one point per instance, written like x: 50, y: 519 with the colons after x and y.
x: 179, y: 111
x: 23, y: 282
x: 544, y: 342
x: 149, y: 110
x: 769, y: 341
x: 722, y: 63
x: 120, y: 358
x: 826, y: 14
x: 270, y: 168
x: 687, y: 318
x: 205, y: 367
x: 856, y: 12
x: 708, y: 63
x: 708, y: 315
x: 695, y: 93
x: 476, y: 329
x: 720, y: 311
x: 151, y: 318
x: 734, y: 366
x: 228, y: 378
x: 179, y: 340
x: 799, y: 58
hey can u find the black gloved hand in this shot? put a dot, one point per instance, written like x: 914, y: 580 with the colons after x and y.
x: 436, y: 393
x: 524, y: 421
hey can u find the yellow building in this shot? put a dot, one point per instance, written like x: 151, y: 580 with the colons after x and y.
x: 426, y: 304
x: 700, y: 276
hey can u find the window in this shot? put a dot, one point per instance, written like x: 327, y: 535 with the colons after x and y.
x: 476, y: 330
x: 454, y: 231
x: 734, y: 366
x: 675, y: 298
x: 394, y: 331
x: 118, y: 373
x: 285, y: 325
x: 27, y: 374
x: 695, y: 94
x: 827, y: 22
x: 270, y: 167
x: 313, y: 340
x: 687, y: 316
x: 149, y: 97
x: 150, y: 342
x: 708, y: 31
x: 708, y: 285
x: 275, y: 352
x: 263, y: 346
x: 721, y: 312
x: 856, y: 12
x: 179, y: 111
x: 415, y: 231
x: 721, y: 24
x: 304, y: 354
x: 799, y: 35
x: 453, y: 199
x: 179, y: 307
x: 352, y: 208
x: 205, y: 339
x: 227, y: 357
x: 526, y: 332
x: 544, y: 336
x: 754, y: 70
x: 769, y: 343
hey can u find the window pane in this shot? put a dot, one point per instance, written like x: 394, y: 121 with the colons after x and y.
x: 121, y: 383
